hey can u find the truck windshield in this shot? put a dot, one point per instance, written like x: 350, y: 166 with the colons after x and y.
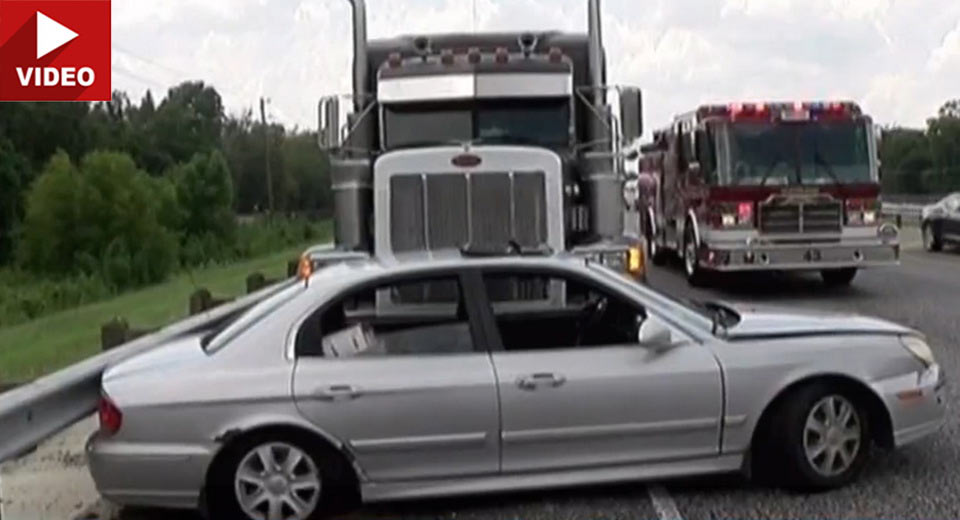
x: 812, y: 153
x: 539, y: 122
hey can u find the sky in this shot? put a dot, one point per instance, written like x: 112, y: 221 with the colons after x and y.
x: 900, y: 59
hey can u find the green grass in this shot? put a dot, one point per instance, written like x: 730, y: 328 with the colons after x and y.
x: 47, y: 344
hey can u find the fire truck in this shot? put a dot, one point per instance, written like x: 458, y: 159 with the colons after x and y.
x: 495, y: 142
x: 765, y: 186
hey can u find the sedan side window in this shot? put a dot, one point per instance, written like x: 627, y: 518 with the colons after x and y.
x: 425, y: 317
x: 539, y: 311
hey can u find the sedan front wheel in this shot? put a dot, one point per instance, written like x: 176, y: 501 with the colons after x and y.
x: 824, y: 437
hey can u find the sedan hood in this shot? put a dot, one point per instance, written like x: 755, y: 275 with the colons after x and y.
x: 176, y: 352
x: 770, y: 321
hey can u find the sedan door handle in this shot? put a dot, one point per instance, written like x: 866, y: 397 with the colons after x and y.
x: 337, y: 392
x: 534, y: 381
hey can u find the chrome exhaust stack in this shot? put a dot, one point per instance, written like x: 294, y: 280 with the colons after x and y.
x: 604, y: 187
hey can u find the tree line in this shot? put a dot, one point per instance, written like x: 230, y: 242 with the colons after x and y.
x: 84, y: 186
x: 923, y: 161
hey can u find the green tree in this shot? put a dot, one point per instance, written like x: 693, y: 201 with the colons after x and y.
x: 100, y: 218
x: 205, y: 196
x: 15, y: 174
x: 187, y: 122
x: 943, y: 133
x: 308, y: 171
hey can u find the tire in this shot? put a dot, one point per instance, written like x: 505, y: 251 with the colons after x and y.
x: 655, y: 253
x: 696, y: 275
x: 932, y: 241
x: 325, y: 484
x: 838, y: 277
x: 805, y: 460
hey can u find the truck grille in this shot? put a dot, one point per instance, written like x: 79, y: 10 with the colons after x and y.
x: 448, y: 210
x: 803, y: 217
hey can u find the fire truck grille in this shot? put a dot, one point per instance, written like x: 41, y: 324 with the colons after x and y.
x: 448, y: 210
x: 806, y: 217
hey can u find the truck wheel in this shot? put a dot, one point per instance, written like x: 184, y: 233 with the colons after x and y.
x: 838, y: 277
x: 654, y: 252
x: 820, y: 437
x: 696, y: 275
x: 931, y: 237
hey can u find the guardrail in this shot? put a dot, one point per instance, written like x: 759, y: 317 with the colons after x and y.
x: 36, y: 411
x: 902, y: 212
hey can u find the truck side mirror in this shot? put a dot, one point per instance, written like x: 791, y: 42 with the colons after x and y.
x: 329, y: 126
x: 631, y: 114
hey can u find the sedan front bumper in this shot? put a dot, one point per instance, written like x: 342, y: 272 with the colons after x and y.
x: 917, y: 403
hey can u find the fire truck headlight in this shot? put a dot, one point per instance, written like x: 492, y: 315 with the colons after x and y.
x: 728, y: 220
x: 869, y: 218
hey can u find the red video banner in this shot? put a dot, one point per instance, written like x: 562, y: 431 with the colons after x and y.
x: 55, y: 50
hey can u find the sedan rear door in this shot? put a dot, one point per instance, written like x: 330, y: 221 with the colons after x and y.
x: 398, y: 371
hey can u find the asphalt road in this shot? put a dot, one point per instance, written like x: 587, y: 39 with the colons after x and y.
x: 921, y: 481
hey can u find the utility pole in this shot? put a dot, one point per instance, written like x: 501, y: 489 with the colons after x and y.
x: 266, y: 153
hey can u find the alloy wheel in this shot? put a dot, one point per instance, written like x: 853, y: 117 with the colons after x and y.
x: 832, y: 435
x: 277, y: 481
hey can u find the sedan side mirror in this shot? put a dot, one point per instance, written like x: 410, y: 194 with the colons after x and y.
x: 654, y: 334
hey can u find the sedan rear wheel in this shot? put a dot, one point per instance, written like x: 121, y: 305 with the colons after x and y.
x: 277, y: 481
x: 279, y: 476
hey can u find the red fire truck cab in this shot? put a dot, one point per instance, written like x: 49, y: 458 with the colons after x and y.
x: 766, y: 186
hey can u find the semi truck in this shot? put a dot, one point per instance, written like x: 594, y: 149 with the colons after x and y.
x: 765, y: 186
x: 503, y: 143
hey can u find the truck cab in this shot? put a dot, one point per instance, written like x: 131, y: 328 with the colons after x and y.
x: 498, y: 142
x: 767, y: 186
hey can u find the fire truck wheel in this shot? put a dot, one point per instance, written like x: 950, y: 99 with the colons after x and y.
x: 655, y: 253
x: 696, y: 275
x: 838, y: 277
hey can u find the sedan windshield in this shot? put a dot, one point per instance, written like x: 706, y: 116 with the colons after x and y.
x: 540, y: 122
x: 808, y: 153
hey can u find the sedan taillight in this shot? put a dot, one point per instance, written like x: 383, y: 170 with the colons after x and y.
x: 111, y: 418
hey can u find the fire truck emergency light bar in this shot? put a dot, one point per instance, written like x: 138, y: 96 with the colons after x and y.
x: 797, y: 111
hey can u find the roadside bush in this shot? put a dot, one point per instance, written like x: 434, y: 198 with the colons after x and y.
x: 24, y: 297
x: 273, y: 234
x: 101, y: 219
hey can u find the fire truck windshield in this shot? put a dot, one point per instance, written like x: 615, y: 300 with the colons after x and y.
x: 538, y: 122
x: 812, y: 153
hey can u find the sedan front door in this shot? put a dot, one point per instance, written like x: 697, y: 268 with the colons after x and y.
x: 399, y: 373
x: 578, y: 390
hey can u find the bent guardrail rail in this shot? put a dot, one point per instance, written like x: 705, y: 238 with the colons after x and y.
x: 36, y: 411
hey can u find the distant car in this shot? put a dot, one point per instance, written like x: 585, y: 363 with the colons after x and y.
x: 940, y: 223
x: 469, y: 375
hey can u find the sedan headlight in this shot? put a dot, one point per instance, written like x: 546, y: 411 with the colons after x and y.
x: 919, y: 348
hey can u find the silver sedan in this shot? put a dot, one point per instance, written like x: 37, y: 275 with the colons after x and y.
x: 422, y: 379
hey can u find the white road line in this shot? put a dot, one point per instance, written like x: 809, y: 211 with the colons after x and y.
x: 2, y: 496
x: 663, y: 503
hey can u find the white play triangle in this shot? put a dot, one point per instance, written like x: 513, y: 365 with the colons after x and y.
x: 51, y: 35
